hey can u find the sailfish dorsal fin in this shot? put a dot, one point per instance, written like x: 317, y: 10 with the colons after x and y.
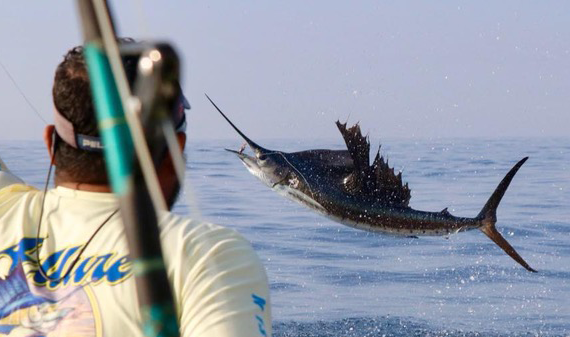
x: 390, y: 184
x: 358, y: 145
x: 378, y: 180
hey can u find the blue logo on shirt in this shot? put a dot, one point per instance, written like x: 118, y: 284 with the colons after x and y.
x: 109, y: 267
x: 260, y: 302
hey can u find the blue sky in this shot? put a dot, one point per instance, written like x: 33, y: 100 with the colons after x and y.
x: 289, y: 69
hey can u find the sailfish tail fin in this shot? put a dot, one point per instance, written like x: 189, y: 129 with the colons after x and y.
x: 488, y: 216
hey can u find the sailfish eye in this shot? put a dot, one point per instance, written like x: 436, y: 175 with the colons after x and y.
x: 262, y: 157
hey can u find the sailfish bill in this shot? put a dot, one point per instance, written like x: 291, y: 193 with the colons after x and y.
x: 343, y: 186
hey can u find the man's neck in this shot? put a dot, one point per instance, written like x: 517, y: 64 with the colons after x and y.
x: 85, y: 187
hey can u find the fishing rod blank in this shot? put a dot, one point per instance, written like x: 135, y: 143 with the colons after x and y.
x: 137, y: 211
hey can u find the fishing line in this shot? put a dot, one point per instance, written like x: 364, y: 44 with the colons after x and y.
x: 170, y: 134
x: 294, y: 168
x: 173, y: 147
x: 38, y: 247
x: 180, y: 168
x: 135, y: 127
x: 22, y: 92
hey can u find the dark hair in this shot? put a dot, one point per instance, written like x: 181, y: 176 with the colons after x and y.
x: 72, y: 98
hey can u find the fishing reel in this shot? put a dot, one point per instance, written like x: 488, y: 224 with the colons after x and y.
x: 157, y: 97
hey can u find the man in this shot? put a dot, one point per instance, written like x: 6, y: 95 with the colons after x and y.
x: 64, y: 266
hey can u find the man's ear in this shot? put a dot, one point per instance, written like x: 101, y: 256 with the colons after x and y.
x: 49, y: 140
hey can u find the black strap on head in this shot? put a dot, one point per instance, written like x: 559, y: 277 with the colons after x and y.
x: 65, y: 130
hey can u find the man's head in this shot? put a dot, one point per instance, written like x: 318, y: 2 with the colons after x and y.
x: 72, y: 100
x: 74, y: 107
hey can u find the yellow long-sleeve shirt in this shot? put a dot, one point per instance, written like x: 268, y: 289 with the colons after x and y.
x: 219, y: 284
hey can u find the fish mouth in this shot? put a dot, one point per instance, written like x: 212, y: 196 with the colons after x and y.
x: 249, y: 161
x: 253, y: 167
x: 280, y: 186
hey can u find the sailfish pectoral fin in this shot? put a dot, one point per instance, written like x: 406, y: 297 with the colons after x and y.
x: 287, y: 177
x: 497, y: 238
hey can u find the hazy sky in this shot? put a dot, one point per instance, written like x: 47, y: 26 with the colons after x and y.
x: 289, y: 69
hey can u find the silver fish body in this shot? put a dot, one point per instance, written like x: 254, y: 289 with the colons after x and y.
x: 343, y: 186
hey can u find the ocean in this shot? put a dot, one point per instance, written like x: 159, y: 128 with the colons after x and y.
x: 331, y: 280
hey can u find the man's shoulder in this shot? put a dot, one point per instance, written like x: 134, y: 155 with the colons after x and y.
x: 179, y: 228
x: 198, y: 245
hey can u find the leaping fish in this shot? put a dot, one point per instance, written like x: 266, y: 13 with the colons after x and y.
x: 343, y: 186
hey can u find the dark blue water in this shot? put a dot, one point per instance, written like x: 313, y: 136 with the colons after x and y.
x: 331, y: 280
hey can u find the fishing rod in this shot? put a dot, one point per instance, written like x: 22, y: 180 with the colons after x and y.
x: 112, y: 97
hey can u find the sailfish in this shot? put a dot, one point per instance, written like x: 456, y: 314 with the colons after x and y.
x: 343, y: 186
